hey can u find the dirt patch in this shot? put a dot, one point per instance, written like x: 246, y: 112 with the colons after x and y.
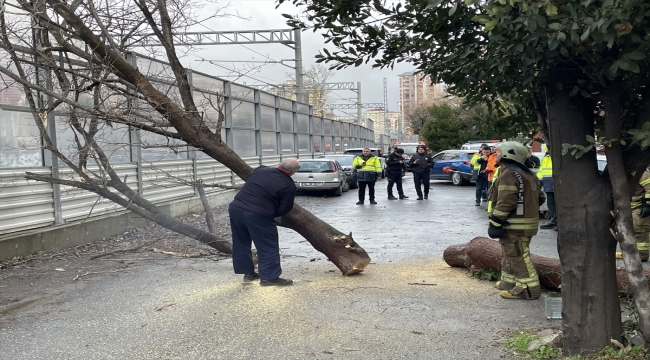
x: 37, y: 278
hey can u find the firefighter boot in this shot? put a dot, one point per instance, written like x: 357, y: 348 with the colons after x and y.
x: 502, y: 285
x: 519, y: 293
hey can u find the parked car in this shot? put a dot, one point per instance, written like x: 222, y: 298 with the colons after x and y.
x: 374, y: 151
x: 476, y: 144
x: 321, y: 175
x: 346, y: 163
x: 453, y: 165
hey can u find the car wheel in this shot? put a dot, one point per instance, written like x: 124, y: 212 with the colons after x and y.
x: 355, y: 184
x: 346, y: 186
x: 456, y: 178
x: 338, y: 191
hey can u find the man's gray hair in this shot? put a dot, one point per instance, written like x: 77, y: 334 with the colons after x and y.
x: 289, y: 165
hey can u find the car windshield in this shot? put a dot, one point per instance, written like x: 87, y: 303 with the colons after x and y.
x: 409, y: 149
x: 317, y: 166
x: 343, y: 160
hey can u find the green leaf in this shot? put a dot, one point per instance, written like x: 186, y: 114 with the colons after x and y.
x: 579, y: 154
x: 541, y: 21
x: 614, y: 68
x: 561, y: 36
x: 584, y: 35
x: 491, y: 24
x: 591, y: 139
x: 559, y: 86
x: 551, y: 9
x: 483, y: 19
x: 555, y: 26
x: 453, y: 9
x: 623, y: 142
x: 635, y: 55
x: 433, y: 4
x: 564, y: 151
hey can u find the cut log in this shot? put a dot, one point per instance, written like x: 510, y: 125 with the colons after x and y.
x: 485, y: 253
x: 339, y: 248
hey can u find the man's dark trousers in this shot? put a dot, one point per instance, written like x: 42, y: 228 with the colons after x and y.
x: 248, y: 227
x: 481, y: 187
x: 419, y: 179
x: 395, y: 178
x: 362, y: 190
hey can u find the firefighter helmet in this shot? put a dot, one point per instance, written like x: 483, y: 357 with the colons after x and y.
x: 514, y: 151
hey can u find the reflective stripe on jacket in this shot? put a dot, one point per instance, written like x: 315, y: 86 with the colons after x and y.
x: 546, y: 167
x: 505, y: 203
x: 642, y: 191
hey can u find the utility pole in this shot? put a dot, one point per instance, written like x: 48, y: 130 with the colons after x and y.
x: 386, y: 125
x: 362, y: 121
x: 300, y: 91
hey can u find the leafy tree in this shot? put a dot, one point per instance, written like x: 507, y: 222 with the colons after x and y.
x: 445, y: 129
x: 573, y: 65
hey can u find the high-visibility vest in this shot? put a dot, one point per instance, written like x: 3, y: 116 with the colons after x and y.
x: 474, y: 163
x: 546, y: 167
x: 491, y: 167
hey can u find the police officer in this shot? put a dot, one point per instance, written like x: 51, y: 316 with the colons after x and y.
x: 513, y: 204
x: 421, y: 164
x: 394, y: 167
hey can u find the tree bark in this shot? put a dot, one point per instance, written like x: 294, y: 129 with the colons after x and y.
x: 591, y: 312
x: 341, y: 249
x: 622, y: 208
x: 484, y: 253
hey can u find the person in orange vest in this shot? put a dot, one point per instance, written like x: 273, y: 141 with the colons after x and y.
x: 490, y: 168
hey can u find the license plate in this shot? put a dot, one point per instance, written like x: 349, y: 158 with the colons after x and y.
x: 311, y: 184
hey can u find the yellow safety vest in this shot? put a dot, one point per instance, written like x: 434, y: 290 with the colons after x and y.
x: 546, y: 167
x: 474, y: 162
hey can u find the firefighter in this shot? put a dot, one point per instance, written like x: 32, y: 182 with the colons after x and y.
x: 641, y: 216
x: 513, y: 203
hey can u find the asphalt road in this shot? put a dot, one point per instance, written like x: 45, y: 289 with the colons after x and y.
x: 176, y: 308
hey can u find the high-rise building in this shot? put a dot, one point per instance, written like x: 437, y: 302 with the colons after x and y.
x: 383, y: 126
x: 414, y: 90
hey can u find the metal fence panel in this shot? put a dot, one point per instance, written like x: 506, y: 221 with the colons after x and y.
x: 24, y: 204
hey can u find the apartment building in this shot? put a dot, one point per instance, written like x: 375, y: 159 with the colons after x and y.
x: 414, y: 90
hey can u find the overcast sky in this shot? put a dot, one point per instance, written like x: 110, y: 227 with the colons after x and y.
x: 261, y: 14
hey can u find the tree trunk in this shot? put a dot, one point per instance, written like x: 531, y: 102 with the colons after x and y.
x: 484, y: 253
x: 591, y: 313
x: 622, y: 208
x: 341, y: 249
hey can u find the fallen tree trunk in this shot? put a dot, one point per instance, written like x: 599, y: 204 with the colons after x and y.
x: 485, y: 253
x: 339, y: 248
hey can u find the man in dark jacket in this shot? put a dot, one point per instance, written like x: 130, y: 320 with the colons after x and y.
x: 421, y: 164
x: 394, y: 168
x: 268, y: 193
